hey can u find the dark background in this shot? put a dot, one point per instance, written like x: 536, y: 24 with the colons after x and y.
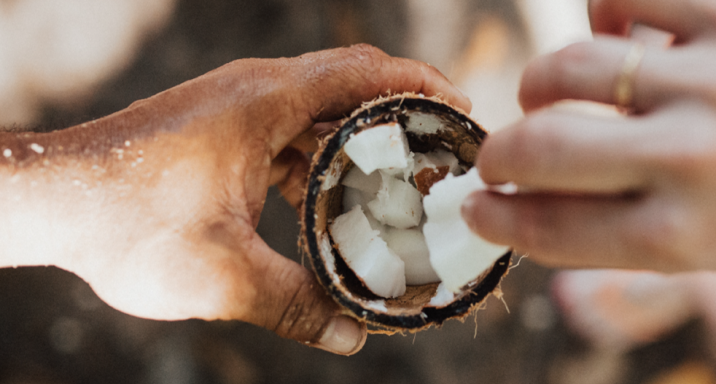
x: 53, y: 329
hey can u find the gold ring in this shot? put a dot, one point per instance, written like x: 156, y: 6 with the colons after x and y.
x: 624, y: 89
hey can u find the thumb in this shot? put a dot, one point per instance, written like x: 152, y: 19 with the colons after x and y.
x: 290, y: 301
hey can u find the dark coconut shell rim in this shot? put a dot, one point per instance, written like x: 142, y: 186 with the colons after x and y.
x: 472, y: 296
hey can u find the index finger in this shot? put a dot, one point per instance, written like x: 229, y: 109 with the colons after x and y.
x: 329, y: 85
x: 558, y: 151
x: 341, y: 79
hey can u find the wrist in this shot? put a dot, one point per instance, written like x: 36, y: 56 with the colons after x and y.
x: 60, y: 189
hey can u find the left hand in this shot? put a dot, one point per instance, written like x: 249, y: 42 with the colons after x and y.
x: 156, y: 206
x: 636, y: 191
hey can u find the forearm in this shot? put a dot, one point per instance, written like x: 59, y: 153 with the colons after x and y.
x: 71, y: 195
x: 54, y: 186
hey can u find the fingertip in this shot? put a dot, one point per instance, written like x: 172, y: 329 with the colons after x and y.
x: 436, y: 83
x: 532, y: 88
x: 473, y: 213
x: 490, y: 215
x: 470, y: 211
x: 490, y: 159
x: 464, y: 101
x: 343, y: 335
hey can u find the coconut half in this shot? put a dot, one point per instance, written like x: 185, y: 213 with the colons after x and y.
x: 434, y: 132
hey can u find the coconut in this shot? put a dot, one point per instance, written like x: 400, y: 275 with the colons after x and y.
x: 403, y: 145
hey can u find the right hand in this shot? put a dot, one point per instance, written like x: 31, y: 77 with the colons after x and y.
x: 631, y: 192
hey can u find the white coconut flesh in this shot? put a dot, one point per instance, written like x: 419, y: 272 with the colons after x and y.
x: 397, y: 203
x: 457, y: 254
x: 384, y: 146
x: 380, y: 269
x: 435, y: 159
x: 410, y: 246
x: 383, y: 216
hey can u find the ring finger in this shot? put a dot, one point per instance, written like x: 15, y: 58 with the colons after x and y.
x: 590, y: 71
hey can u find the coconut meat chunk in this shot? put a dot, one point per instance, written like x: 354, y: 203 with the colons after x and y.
x: 397, y: 204
x: 383, y: 146
x: 380, y: 269
x: 409, y: 245
x: 457, y: 254
x: 422, y: 123
x: 442, y: 296
x: 355, y: 178
x: 435, y: 159
x: 353, y: 197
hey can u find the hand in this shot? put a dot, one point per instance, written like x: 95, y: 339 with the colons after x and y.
x: 155, y: 206
x: 637, y: 191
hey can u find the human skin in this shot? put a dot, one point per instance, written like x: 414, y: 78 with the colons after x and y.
x: 636, y: 191
x: 156, y: 206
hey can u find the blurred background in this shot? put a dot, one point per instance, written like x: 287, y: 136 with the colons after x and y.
x: 63, y: 62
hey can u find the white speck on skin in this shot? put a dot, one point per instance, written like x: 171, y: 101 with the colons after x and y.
x: 76, y: 182
x: 134, y: 164
x: 37, y: 148
x: 127, y: 143
x: 140, y: 152
x: 120, y: 157
x: 140, y: 160
x: 7, y: 152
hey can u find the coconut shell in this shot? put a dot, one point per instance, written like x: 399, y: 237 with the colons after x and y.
x: 323, y: 202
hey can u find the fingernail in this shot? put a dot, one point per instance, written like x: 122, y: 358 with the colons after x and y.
x: 344, y: 335
x: 467, y: 98
x: 463, y: 92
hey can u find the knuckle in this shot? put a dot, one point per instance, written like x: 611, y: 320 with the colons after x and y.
x: 532, y: 143
x: 691, y: 155
x: 563, y: 64
x: 360, y: 63
x: 367, y: 49
x: 304, y: 315
x: 364, y: 56
x: 663, y: 236
x: 532, y: 227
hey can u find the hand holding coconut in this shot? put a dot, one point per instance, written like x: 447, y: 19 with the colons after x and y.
x: 381, y: 219
x: 155, y: 206
x: 633, y: 191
